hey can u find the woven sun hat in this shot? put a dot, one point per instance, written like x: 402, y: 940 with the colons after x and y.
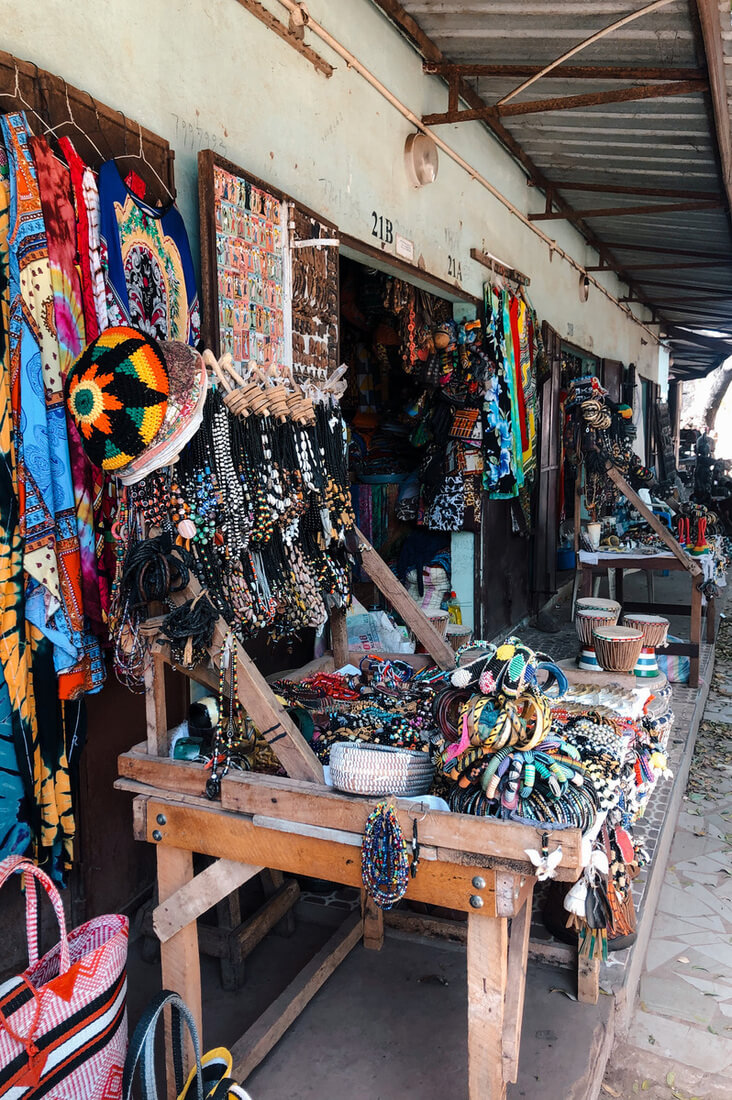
x: 117, y: 395
x: 188, y: 388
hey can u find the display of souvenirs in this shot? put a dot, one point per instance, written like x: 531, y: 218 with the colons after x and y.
x: 254, y: 303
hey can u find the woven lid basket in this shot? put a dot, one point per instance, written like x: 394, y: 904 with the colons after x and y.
x: 359, y: 768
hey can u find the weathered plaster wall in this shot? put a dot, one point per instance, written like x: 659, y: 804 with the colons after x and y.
x: 206, y: 73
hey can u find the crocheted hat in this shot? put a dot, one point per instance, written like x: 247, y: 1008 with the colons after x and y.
x: 117, y: 395
x: 188, y: 386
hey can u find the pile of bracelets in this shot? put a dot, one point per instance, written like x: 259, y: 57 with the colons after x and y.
x: 388, y: 703
x: 518, y: 754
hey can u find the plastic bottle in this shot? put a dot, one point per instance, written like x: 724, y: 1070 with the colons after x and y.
x: 453, y: 609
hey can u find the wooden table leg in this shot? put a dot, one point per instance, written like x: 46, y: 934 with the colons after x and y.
x: 711, y: 617
x: 586, y: 586
x: 487, y: 978
x: 695, y: 630
x: 619, y: 585
x: 373, y: 923
x: 518, y: 953
x: 179, y: 959
x: 588, y: 979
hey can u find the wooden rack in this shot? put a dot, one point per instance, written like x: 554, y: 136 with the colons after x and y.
x: 301, y: 826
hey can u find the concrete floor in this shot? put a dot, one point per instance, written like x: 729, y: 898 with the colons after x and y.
x: 391, y: 1025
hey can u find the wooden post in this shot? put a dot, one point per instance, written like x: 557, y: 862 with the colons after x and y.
x: 339, y: 636
x: 695, y: 632
x: 397, y: 595
x: 711, y: 615
x: 588, y: 979
x: 179, y: 960
x: 373, y: 923
x: 156, y: 713
x: 487, y: 977
x: 518, y: 953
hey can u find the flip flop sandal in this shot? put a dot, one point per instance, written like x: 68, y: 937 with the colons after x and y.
x: 216, y: 1067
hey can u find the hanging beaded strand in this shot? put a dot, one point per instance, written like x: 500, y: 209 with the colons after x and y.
x: 384, y: 861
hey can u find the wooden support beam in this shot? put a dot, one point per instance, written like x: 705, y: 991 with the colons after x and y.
x: 566, y: 72
x: 588, y: 979
x: 397, y: 595
x: 518, y: 951
x: 262, y: 705
x: 373, y: 923
x: 262, y: 1036
x: 156, y: 712
x: 323, y: 807
x: 560, y: 103
x: 651, y: 519
x: 711, y: 29
x: 179, y: 960
x: 339, y: 636
x: 628, y: 211
x: 666, y: 250
x: 668, y: 263
x: 597, y: 99
x: 199, y: 895
x: 627, y: 189
x: 290, y: 33
x: 487, y: 958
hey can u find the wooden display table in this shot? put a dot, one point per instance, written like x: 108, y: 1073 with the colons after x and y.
x: 654, y: 563
x: 299, y: 825
x: 675, y: 559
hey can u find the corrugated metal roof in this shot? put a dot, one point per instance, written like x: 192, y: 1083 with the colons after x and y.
x: 654, y: 143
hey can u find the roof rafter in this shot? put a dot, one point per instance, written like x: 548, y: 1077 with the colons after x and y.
x: 627, y: 211
x: 559, y: 103
x: 565, y: 72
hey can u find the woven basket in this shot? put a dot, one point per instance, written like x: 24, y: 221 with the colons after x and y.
x: 359, y: 768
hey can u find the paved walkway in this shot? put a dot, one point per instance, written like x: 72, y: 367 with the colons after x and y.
x: 680, y: 1039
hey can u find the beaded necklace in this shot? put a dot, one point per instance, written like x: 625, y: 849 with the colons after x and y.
x: 384, y: 860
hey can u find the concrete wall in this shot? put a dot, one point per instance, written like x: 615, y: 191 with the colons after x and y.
x: 206, y: 73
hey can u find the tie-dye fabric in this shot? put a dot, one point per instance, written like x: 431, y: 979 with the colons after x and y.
x: 54, y: 184
x: 46, y: 496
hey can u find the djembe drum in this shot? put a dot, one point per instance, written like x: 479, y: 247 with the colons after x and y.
x: 617, y: 647
x: 655, y: 633
x: 592, y: 611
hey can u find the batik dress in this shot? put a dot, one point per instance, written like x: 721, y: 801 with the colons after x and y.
x: 148, y: 269
x: 61, y: 665
x: 499, y: 472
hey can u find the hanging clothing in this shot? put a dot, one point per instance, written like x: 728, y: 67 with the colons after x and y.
x: 51, y: 558
x: 54, y: 183
x: 148, y: 269
x: 34, y: 791
x: 499, y: 452
x: 17, y: 705
x: 83, y: 259
x: 86, y: 207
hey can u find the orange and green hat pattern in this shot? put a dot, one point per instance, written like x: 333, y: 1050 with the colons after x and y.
x: 117, y: 395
